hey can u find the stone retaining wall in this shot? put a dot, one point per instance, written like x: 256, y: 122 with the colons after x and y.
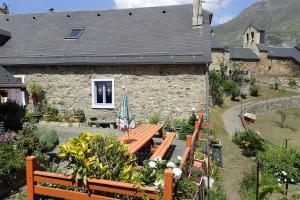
x: 273, y: 105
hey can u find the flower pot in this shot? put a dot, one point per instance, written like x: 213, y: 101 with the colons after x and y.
x: 35, y: 118
x: 77, y: 119
x: 33, y: 96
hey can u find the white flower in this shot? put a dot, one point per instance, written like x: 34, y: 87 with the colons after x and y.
x: 179, y: 158
x: 292, y: 180
x: 159, y: 183
x: 284, y: 173
x: 152, y: 164
x: 157, y: 159
x: 285, y: 180
x: 278, y: 180
x: 171, y: 165
x: 193, y: 109
x: 177, y: 172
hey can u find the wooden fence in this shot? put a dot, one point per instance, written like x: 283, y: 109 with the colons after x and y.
x: 108, y: 189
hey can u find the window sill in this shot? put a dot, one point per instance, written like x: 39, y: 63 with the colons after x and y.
x: 103, y: 106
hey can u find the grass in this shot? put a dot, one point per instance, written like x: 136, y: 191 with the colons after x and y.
x: 265, y: 93
x: 268, y: 126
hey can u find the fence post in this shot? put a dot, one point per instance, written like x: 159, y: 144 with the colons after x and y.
x: 197, y: 126
x: 168, y: 184
x: 30, y: 168
x: 188, y: 142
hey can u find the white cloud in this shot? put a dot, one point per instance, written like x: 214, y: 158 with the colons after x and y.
x: 147, y: 3
x: 223, y: 19
x: 210, y: 5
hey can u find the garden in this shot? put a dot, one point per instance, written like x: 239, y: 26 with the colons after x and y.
x: 279, y: 127
x: 102, y: 156
x: 19, y: 140
x: 277, y: 172
x: 93, y: 158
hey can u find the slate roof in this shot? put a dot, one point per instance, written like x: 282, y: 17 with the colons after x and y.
x: 243, y: 54
x: 8, y: 81
x: 216, y: 44
x: 258, y: 27
x: 149, y: 35
x: 262, y: 47
x: 282, y: 52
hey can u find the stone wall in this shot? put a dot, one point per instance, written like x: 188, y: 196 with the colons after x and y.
x: 151, y: 88
x: 218, y: 57
x: 272, y: 105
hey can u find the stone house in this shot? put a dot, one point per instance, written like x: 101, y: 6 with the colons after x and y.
x: 261, y: 59
x: 10, y: 87
x: 82, y: 59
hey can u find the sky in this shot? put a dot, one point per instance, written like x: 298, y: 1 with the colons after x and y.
x: 223, y: 10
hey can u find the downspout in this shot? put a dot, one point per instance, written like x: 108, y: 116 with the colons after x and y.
x: 207, y: 93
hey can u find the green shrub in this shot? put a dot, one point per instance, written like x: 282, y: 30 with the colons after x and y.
x: 281, y: 162
x: 50, y: 110
x: 254, y: 90
x: 276, y: 86
x: 48, y: 139
x: 292, y: 82
x: 154, y: 118
x: 98, y: 156
x: 13, y: 115
x: 231, y: 88
x: 185, y: 128
x: 250, y: 142
x: 12, y: 160
x: 185, y: 189
x: 34, y: 87
x: 216, y: 88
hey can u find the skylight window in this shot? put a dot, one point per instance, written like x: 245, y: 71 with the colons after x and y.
x: 74, y: 33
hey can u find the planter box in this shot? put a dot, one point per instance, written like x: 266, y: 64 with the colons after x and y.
x: 61, y: 124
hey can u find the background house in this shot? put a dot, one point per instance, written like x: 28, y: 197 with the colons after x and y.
x: 82, y: 59
x: 261, y: 59
x: 11, y: 88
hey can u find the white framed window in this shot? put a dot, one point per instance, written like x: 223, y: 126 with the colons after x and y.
x: 103, y: 93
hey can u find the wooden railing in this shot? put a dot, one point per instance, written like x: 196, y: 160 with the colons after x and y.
x: 36, y: 180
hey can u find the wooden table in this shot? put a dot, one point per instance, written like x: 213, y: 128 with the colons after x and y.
x: 140, y: 136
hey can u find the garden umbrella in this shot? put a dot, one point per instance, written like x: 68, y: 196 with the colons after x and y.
x: 125, y: 120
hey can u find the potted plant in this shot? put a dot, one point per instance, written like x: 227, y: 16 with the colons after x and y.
x: 35, y: 91
x: 78, y: 115
x: 49, y: 112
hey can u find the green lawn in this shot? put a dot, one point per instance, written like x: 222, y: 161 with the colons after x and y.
x: 268, y: 125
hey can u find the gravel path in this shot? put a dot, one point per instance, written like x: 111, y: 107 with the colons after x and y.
x: 232, y: 120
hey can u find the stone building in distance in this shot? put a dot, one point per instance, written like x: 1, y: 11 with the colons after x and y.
x: 259, y: 58
x: 82, y: 59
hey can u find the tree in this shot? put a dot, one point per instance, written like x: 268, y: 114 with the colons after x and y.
x: 216, y: 89
x: 283, y: 116
x: 231, y: 88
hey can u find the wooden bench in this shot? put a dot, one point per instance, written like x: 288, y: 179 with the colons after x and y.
x: 2, y: 130
x: 164, y: 146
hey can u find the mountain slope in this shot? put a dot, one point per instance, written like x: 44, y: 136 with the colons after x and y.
x: 280, y: 18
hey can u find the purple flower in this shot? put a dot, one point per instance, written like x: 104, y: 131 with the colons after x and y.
x: 7, y: 137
